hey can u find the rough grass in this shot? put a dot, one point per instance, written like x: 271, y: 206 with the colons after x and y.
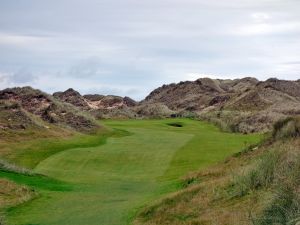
x: 12, y: 194
x: 287, y: 128
x: 278, y: 171
x: 111, y: 181
x: 10, y: 167
x: 260, y: 176
x: 228, y: 121
x: 284, y: 205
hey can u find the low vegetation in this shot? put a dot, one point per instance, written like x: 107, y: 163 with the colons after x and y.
x: 10, y: 167
x: 277, y: 170
x: 287, y: 128
x: 12, y: 194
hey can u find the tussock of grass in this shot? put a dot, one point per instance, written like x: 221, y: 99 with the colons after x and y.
x: 286, y: 128
x: 284, y: 206
x: 12, y: 194
x: 260, y: 176
x: 10, y: 167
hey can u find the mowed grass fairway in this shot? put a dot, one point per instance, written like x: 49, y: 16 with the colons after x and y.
x: 108, y: 183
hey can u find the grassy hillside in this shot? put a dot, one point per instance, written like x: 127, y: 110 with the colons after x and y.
x: 100, y: 180
x: 260, y: 186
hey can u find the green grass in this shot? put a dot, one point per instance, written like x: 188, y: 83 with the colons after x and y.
x: 112, y: 179
x: 31, y: 152
x: 37, y: 181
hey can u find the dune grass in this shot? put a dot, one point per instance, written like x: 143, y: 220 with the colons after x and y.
x: 107, y: 180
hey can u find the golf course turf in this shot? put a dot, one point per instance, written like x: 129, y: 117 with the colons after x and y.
x: 108, y: 183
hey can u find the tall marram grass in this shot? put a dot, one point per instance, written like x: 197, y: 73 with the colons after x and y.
x: 261, y: 175
x: 286, y: 128
x: 284, y: 207
x: 278, y: 172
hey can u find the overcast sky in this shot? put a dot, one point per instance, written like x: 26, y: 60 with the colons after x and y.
x: 129, y: 47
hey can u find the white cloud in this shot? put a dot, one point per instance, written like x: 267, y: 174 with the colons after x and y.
x: 195, y: 76
x: 268, y: 28
x: 19, y: 40
x: 260, y: 17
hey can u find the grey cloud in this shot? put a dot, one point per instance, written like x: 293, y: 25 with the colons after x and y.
x: 22, y: 76
x: 137, y: 45
x: 2, y: 78
x: 88, y: 68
